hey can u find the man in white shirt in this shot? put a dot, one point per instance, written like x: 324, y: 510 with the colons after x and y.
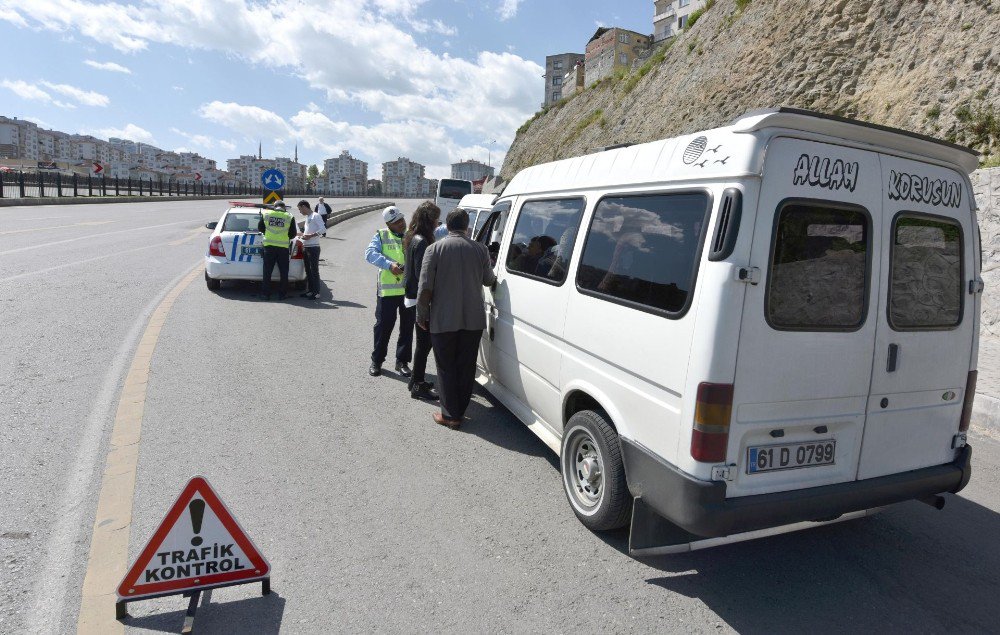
x: 314, y: 228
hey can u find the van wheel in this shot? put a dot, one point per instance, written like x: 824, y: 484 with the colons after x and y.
x: 593, y: 472
x: 212, y: 283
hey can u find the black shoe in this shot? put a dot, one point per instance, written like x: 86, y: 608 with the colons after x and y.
x: 375, y: 369
x: 403, y: 369
x: 423, y: 390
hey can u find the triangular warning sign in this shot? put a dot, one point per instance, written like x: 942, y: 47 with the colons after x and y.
x: 198, y: 545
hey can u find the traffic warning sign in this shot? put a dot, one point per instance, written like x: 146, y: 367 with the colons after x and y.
x: 198, y: 545
x: 272, y: 197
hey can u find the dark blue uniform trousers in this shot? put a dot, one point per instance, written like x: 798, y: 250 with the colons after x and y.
x: 385, y: 320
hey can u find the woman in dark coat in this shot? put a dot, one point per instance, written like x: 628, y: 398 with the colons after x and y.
x: 418, y: 236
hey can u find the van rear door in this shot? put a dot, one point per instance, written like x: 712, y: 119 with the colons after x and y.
x: 926, y: 319
x: 804, y: 362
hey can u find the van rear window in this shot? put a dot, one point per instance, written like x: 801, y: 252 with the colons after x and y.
x: 819, y: 268
x: 926, y: 276
x: 643, y: 250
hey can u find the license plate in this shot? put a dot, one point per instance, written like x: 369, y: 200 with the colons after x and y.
x: 251, y: 251
x: 788, y: 456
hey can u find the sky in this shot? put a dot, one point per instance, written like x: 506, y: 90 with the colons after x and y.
x: 437, y: 81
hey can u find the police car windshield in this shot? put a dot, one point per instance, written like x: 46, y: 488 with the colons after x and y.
x: 241, y: 222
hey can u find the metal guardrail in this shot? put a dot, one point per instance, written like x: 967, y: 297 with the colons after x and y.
x: 57, y: 185
x: 345, y: 214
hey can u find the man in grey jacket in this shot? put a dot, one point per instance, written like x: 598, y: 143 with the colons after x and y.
x: 450, y: 304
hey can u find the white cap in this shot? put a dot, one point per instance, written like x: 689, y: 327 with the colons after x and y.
x: 391, y: 214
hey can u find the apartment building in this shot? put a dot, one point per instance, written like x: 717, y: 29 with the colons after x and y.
x: 295, y: 172
x: 18, y: 139
x: 471, y: 170
x: 671, y: 16
x: 612, y: 48
x: 556, y: 67
x: 404, y: 177
x: 345, y: 175
x: 575, y: 79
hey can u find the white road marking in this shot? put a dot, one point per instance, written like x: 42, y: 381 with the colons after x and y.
x: 51, y: 589
x: 74, y: 263
x: 39, y: 229
x: 89, y: 236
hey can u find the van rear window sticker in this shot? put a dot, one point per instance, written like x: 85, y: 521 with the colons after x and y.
x: 921, y: 189
x: 823, y: 172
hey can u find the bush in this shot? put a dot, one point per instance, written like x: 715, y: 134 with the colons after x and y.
x: 697, y: 14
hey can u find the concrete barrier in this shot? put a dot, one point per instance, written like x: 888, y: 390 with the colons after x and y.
x: 84, y: 200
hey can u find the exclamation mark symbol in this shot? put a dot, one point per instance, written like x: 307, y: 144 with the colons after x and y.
x: 197, y: 509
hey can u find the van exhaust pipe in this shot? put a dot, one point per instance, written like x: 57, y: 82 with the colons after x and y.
x: 935, y: 501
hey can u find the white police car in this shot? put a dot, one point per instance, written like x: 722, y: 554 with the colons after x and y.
x: 235, y: 249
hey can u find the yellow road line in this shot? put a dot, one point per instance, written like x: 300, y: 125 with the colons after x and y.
x: 40, y: 229
x: 109, y: 545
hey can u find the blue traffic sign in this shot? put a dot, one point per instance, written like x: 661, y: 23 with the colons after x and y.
x: 273, y: 180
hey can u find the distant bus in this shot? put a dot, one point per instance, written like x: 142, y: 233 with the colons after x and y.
x: 449, y: 193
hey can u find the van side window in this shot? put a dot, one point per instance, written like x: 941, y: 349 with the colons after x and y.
x: 925, y: 290
x: 819, y: 268
x: 491, y: 230
x: 543, y: 239
x: 644, y: 249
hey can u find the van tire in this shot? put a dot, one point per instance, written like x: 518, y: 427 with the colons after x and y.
x: 212, y: 283
x: 590, y: 441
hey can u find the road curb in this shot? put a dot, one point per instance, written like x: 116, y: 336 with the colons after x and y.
x: 342, y: 215
x: 986, y: 413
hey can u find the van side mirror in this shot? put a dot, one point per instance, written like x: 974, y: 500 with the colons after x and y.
x: 212, y: 225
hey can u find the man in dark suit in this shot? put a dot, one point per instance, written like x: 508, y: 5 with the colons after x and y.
x: 450, y: 304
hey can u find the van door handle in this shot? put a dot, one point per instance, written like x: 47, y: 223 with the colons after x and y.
x: 890, y: 366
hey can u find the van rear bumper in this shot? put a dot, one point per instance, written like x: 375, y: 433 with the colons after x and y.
x: 701, y: 508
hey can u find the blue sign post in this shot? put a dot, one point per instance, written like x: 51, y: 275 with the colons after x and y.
x: 273, y: 180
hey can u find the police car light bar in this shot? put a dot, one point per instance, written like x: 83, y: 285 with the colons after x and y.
x: 246, y: 204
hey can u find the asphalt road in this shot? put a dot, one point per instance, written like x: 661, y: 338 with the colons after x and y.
x: 372, y: 517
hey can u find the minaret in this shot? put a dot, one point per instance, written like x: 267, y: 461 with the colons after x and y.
x: 296, y: 153
x: 260, y: 152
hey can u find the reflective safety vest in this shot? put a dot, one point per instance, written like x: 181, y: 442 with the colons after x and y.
x: 389, y: 284
x: 276, y: 224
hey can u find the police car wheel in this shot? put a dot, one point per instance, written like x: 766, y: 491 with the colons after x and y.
x: 212, y: 283
x: 593, y: 472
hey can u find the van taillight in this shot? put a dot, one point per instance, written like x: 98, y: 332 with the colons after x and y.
x: 970, y: 395
x: 712, y: 412
x: 215, y: 247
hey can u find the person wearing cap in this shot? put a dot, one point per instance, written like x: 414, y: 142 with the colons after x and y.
x: 324, y: 210
x: 279, y: 229
x: 386, y: 252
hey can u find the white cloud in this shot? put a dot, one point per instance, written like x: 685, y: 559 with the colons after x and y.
x: 108, y: 66
x: 508, y: 9
x: 85, y: 97
x: 424, y: 142
x: 31, y: 92
x: 489, y: 95
x: 130, y: 131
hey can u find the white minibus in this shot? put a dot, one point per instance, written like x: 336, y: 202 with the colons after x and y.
x: 741, y: 331
x: 478, y: 206
x: 449, y: 193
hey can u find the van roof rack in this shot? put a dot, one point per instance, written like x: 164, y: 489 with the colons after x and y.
x: 611, y: 147
x: 785, y: 110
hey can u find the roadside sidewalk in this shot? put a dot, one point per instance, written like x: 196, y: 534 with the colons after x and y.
x: 986, y: 408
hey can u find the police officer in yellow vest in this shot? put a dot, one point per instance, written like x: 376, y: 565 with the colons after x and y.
x: 386, y: 252
x: 278, y: 227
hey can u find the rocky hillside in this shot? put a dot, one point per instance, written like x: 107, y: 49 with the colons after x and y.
x: 931, y: 66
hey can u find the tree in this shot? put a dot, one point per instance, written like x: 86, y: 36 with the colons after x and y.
x: 313, y: 172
